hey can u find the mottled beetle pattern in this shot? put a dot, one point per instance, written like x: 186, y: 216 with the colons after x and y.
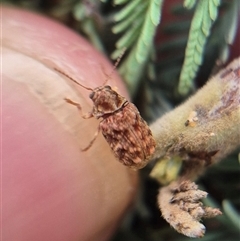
x: 121, y: 124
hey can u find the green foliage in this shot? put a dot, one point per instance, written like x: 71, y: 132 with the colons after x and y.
x: 205, y: 14
x: 139, y: 20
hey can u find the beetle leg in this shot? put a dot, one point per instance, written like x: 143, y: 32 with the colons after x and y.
x: 84, y: 115
x: 92, y: 141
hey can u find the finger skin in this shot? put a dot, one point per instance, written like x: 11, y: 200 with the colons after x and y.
x: 50, y: 189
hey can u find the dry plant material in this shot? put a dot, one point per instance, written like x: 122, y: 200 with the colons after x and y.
x: 181, y: 207
x: 121, y: 124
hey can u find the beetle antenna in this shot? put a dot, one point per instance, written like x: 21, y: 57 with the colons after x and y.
x: 69, y: 77
x: 115, y: 65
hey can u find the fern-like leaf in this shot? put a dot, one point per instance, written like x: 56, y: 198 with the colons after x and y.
x: 204, y: 16
x: 130, y: 20
x: 138, y: 19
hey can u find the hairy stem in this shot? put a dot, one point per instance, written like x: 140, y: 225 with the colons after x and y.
x: 206, y: 127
